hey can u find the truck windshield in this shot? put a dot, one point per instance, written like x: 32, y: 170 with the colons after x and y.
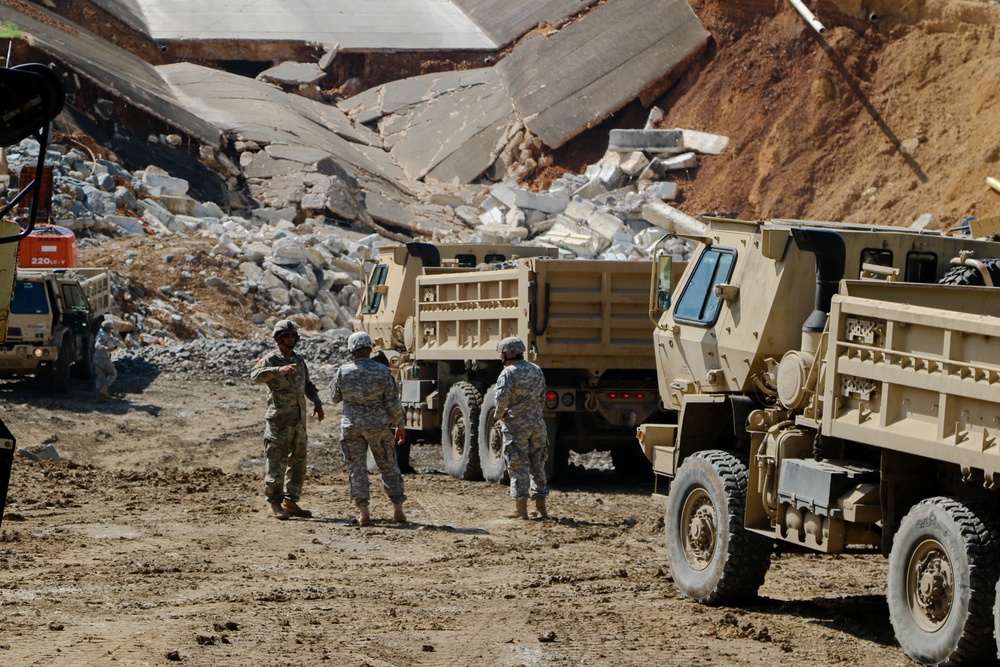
x: 29, y: 298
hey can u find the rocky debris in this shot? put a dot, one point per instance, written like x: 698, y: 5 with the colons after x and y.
x: 282, y: 266
x: 323, y: 352
x: 615, y: 210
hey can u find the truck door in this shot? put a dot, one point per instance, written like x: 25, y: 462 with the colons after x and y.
x: 696, y: 312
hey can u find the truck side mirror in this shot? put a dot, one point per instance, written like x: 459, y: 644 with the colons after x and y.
x: 660, y: 291
x: 726, y: 292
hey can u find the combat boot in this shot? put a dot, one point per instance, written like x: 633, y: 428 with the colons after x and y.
x: 364, y: 517
x: 540, y: 507
x: 521, y: 508
x: 292, y: 508
x: 278, y: 511
x: 397, y: 513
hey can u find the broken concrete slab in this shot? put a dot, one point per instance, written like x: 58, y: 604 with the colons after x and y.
x: 508, y: 20
x: 705, y: 142
x: 564, y: 83
x: 648, y: 141
x: 293, y: 74
x: 661, y: 190
x: 514, y: 196
x: 421, y: 25
x: 669, y: 218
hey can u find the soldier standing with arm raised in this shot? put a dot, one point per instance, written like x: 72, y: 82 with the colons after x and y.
x: 285, y: 443
x: 520, y: 392
x: 371, y: 407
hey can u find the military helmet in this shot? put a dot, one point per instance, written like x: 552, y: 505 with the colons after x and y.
x: 284, y: 326
x: 359, y: 340
x: 107, y: 325
x: 511, y: 347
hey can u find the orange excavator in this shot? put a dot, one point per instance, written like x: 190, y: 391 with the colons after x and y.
x: 31, y: 96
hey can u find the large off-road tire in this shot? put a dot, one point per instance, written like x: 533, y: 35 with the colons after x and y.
x: 59, y: 375
x: 460, y: 431
x: 942, y: 582
x: 557, y: 462
x: 970, y: 275
x: 83, y: 369
x: 491, y: 441
x: 713, y: 558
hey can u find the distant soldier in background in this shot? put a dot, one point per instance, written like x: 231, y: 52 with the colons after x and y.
x: 105, y: 374
x: 287, y: 379
x: 520, y: 392
x: 371, y: 407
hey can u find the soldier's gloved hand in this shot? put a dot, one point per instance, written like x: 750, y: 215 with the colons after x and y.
x: 288, y: 369
x: 318, y: 411
x: 400, y: 435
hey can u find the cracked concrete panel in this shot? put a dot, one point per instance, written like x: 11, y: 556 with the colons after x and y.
x: 442, y: 126
x: 110, y: 68
x: 372, y: 24
x: 255, y: 111
x: 565, y: 83
x: 506, y: 21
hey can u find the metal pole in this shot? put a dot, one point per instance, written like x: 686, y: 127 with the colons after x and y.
x: 808, y: 15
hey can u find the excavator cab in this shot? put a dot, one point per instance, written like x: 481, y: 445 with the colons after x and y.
x: 31, y: 96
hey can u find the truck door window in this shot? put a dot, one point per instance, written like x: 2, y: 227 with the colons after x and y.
x: 73, y: 297
x: 465, y: 260
x: 876, y: 256
x: 373, y: 299
x: 29, y: 299
x: 698, y: 303
x: 921, y: 267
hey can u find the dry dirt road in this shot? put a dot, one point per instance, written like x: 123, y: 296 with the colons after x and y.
x: 149, y: 544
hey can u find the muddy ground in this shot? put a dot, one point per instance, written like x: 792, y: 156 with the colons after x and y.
x: 150, y: 543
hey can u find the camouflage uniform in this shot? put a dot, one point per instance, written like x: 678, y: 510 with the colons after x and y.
x: 521, y: 390
x: 285, y: 423
x: 371, y: 407
x: 105, y: 373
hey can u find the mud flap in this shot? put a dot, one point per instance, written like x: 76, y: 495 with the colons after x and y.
x: 6, y: 462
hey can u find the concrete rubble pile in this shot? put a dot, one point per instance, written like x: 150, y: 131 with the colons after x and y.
x: 307, y: 268
x: 617, y: 210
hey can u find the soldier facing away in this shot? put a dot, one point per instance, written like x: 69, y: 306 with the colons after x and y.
x: 287, y: 379
x: 371, y: 407
x: 520, y: 392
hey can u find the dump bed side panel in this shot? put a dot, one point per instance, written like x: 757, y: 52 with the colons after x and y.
x: 572, y: 313
x: 913, y: 368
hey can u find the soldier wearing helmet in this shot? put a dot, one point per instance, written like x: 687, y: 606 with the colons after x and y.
x: 371, y: 408
x: 105, y: 374
x: 286, y: 375
x: 520, y: 392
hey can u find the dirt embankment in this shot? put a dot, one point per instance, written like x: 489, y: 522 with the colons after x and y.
x: 889, y: 114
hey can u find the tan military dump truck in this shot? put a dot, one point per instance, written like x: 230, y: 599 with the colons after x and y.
x: 855, y: 411
x: 54, y: 319
x: 438, y: 312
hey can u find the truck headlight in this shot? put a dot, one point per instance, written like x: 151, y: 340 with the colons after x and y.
x: 39, y: 352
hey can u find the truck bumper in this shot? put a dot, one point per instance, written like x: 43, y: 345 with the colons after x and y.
x: 18, y: 359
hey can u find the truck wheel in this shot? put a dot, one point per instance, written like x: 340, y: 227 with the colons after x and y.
x: 459, y: 431
x: 83, y: 369
x: 942, y: 582
x: 491, y: 441
x: 59, y: 377
x: 713, y: 558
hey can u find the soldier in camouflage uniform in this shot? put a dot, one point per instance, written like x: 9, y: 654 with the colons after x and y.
x: 371, y: 407
x: 520, y: 392
x: 107, y: 341
x: 287, y: 379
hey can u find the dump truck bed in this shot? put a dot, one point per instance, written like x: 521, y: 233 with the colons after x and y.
x: 572, y: 313
x: 913, y: 368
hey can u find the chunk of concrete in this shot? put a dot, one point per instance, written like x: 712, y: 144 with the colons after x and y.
x: 704, y: 142
x: 648, y: 141
x: 669, y: 218
x: 515, y: 196
x: 662, y: 190
x: 605, y: 224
